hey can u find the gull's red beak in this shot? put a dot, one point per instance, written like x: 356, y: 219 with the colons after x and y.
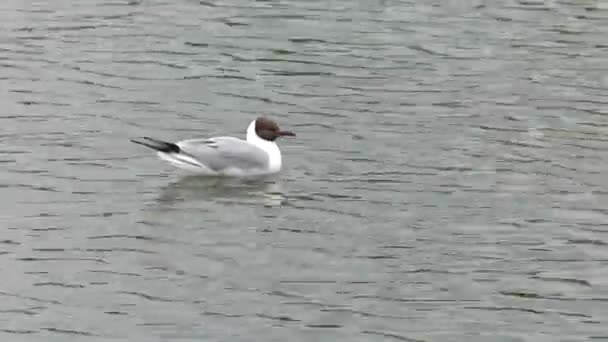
x: 286, y: 133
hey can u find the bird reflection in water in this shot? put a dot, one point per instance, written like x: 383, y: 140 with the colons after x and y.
x: 262, y: 190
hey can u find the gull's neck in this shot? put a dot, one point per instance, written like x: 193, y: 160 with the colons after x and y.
x: 270, y: 147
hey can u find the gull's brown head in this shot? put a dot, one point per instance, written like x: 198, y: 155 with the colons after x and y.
x: 269, y: 130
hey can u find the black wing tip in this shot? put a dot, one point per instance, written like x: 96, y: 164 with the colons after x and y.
x: 138, y: 141
x: 156, y: 144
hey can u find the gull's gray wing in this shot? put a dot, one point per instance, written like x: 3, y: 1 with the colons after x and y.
x: 225, y: 152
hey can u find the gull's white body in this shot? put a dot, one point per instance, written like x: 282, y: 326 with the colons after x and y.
x: 227, y: 156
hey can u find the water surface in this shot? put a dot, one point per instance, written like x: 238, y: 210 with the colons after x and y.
x: 447, y: 182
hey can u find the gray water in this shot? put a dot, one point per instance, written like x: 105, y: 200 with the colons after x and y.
x: 448, y: 181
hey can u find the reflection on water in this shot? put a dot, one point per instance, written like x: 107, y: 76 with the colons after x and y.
x: 262, y: 190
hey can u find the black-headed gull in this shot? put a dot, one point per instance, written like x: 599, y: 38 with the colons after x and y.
x: 227, y: 156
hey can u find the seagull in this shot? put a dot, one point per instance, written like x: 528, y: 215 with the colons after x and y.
x: 226, y: 156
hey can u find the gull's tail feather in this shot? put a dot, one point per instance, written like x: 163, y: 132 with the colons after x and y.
x: 158, y: 145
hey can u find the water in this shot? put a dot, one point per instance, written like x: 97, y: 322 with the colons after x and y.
x: 447, y: 182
